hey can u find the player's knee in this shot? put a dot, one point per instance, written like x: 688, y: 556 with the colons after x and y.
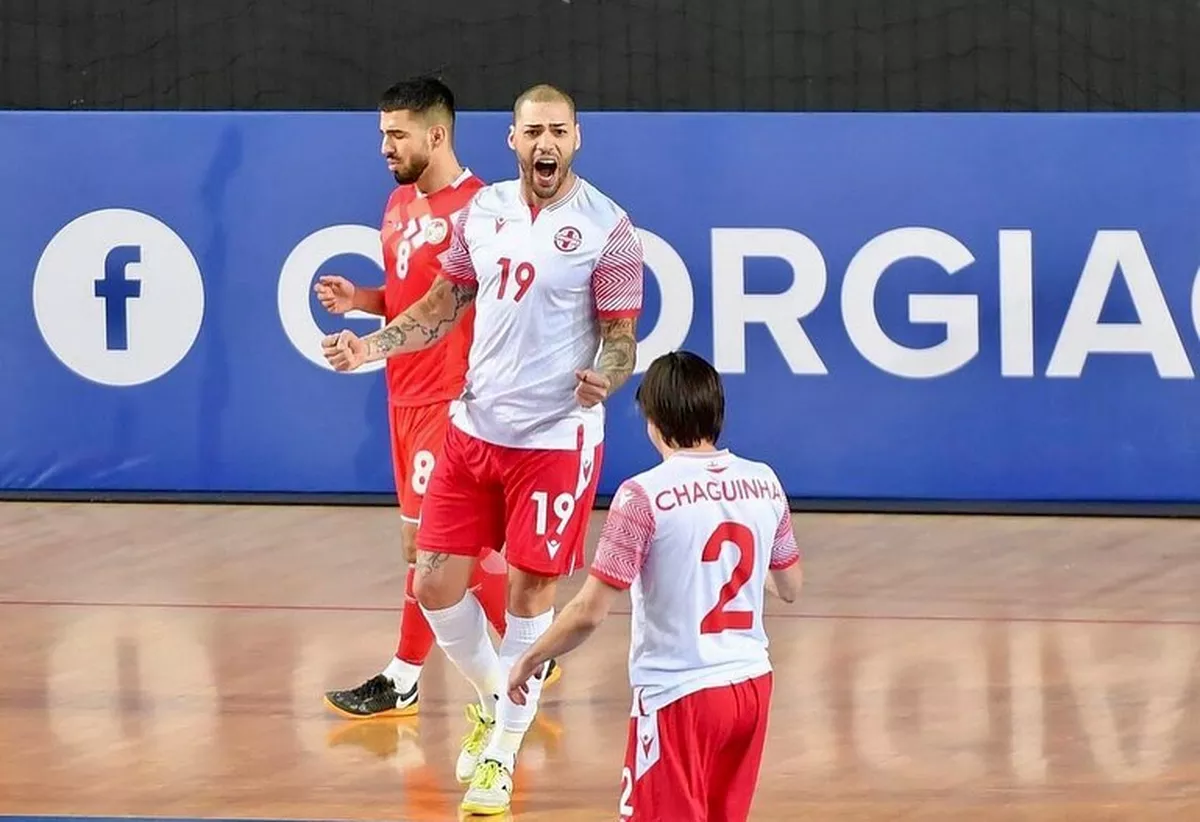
x: 431, y: 592
x: 408, y: 541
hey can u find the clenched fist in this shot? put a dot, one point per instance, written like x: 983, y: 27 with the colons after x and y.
x: 336, y: 294
x: 592, y: 387
x: 344, y: 350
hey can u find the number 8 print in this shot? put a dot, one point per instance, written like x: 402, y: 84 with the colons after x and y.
x: 423, y: 462
x: 402, y: 253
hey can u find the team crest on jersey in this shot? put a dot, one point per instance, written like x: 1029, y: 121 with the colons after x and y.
x: 568, y: 238
x: 436, y: 231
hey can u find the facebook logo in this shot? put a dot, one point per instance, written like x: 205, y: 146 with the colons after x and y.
x: 118, y: 297
x: 115, y: 289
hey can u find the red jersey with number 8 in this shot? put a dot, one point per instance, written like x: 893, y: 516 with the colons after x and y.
x: 416, y: 229
x: 692, y: 539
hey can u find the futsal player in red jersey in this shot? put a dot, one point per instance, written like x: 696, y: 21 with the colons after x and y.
x: 416, y: 119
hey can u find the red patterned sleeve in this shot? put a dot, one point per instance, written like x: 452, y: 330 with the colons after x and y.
x: 625, y: 538
x: 784, y: 553
x: 456, y: 260
x: 617, y: 278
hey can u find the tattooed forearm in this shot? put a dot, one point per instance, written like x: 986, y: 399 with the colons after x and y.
x: 464, y: 295
x: 426, y: 322
x: 618, y: 352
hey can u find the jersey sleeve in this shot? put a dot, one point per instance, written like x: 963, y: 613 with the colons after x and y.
x: 456, y: 260
x: 625, y: 538
x: 784, y: 553
x: 617, y: 278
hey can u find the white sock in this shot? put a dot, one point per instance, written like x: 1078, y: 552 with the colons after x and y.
x: 404, y: 675
x: 461, y: 632
x: 513, y: 720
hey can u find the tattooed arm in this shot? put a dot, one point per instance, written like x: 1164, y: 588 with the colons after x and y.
x: 618, y: 351
x: 425, y: 322
x: 617, y: 292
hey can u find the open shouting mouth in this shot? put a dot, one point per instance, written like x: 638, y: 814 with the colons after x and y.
x: 545, y: 169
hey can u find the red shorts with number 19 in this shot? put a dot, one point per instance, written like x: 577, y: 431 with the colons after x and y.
x: 534, y: 502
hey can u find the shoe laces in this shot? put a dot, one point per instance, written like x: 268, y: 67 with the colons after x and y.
x: 487, y: 775
x: 375, y: 686
x: 476, y: 738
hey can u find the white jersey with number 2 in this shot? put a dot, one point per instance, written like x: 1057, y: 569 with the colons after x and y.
x: 693, y: 539
x: 545, y: 279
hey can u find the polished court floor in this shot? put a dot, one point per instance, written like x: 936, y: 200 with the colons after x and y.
x: 168, y: 661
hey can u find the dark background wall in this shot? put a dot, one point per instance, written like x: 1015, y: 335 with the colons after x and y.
x: 897, y: 55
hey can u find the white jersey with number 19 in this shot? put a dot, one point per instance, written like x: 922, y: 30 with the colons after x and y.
x: 693, y: 538
x: 545, y: 279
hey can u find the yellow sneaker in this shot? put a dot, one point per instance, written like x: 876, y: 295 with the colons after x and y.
x: 490, y: 793
x: 473, y: 744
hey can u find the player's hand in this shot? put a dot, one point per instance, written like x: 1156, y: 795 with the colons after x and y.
x: 344, y: 350
x: 518, y: 678
x: 335, y: 293
x: 592, y: 387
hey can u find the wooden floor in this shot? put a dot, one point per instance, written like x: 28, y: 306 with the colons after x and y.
x: 169, y: 661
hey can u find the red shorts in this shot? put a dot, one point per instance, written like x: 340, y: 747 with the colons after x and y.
x: 698, y: 758
x: 418, y: 433
x: 534, y: 502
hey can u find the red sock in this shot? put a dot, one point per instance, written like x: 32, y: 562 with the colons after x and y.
x: 490, y: 584
x: 416, y: 637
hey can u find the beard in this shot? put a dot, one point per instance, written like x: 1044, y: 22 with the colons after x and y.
x: 412, y: 171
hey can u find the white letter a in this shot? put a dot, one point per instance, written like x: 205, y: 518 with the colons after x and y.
x: 1154, y: 333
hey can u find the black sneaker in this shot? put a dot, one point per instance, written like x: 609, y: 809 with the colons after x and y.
x: 375, y: 697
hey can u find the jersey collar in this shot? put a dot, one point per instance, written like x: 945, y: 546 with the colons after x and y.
x: 701, y: 455
x: 462, y: 178
x: 535, y: 211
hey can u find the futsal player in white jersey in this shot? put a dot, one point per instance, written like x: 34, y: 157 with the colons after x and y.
x: 692, y: 539
x: 554, y: 269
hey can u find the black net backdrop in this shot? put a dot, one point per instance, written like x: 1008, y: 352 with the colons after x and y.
x: 891, y: 55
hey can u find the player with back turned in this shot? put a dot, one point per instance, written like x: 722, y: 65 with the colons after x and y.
x: 553, y: 267
x: 692, y: 539
x: 416, y: 120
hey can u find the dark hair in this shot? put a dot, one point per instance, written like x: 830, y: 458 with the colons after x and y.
x: 420, y: 95
x: 681, y: 393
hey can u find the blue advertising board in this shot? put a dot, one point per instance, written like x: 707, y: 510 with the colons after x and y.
x: 904, y: 306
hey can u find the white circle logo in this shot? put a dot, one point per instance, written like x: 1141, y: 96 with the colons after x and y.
x: 118, y: 297
x: 436, y: 231
x: 295, y: 286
